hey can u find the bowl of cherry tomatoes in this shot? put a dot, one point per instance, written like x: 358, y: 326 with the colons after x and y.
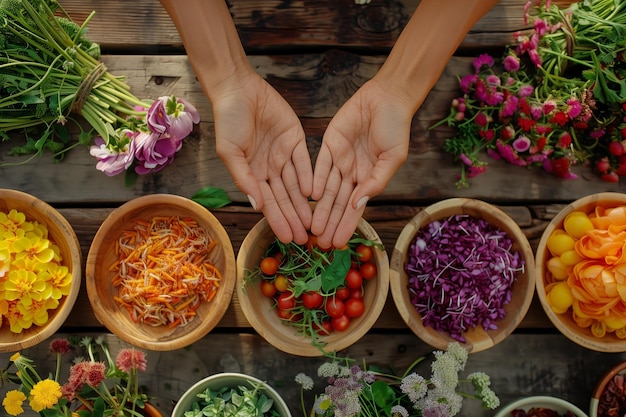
x: 306, y: 300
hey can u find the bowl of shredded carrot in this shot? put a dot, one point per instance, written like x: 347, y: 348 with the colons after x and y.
x: 462, y: 271
x: 160, y: 272
x: 581, y: 271
x: 40, y: 270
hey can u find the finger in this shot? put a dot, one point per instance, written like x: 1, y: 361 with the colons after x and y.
x: 347, y: 226
x: 321, y: 174
x: 299, y: 201
x: 274, y: 215
x: 289, y: 216
x: 325, y: 203
x: 339, y: 205
x: 303, y: 170
x: 246, y: 182
x: 383, y: 171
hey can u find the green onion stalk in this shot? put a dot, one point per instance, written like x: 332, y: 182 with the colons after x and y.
x: 50, y: 72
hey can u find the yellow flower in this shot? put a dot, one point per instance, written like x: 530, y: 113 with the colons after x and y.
x: 13, y: 221
x: 34, y: 247
x: 37, y: 311
x: 5, y: 260
x: 45, y: 394
x: 13, y: 402
x: 58, y: 278
x: 24, y: 286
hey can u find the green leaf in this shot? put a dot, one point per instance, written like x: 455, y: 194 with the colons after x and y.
x: 211, y: 197
x: 335, y: 273
x: 382, y: 394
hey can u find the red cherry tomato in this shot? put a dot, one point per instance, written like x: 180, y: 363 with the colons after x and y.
x: 286, y: 301
x: 281, y: 283
x: 312, y: 300
x: 368, y: 270
x: 354, y: 307
x: 353, y: 279
x: 334, y: 307
x: 269, y: 266
x: 324, y: 328
x: 340, y: 323
x: 364, y: 252
x: 268, y: 288
x: 342, y: 293
x: 285, y: 314
x: 356, y: 293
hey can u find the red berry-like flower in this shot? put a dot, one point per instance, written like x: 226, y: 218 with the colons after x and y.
x: 610, y: 177
x: 616, y: 148
x: 60, y: 345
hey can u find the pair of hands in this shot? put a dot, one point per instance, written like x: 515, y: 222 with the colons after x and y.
x: 263, y: 145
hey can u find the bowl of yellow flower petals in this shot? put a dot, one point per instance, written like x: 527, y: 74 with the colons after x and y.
x: 581, y: 271
x: 40, y: 270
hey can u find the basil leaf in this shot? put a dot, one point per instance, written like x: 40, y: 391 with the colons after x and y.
x: 335, y: 273
x: 211, y: 197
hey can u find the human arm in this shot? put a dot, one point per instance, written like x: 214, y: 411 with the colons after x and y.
x: 258, y: 136
x: 368, y: 139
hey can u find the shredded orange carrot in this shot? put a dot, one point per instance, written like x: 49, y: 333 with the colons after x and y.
x: 163, y: 272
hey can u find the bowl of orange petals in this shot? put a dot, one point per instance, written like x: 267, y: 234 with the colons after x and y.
x: 581, y: 272
x: 160, y: 272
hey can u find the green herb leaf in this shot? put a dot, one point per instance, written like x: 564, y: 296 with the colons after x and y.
x: 211, y: 197
x: 335, y: 273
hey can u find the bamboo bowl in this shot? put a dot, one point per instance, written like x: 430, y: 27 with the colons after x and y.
x: 565, y: 322
x: 259, y: 309
x: 102, y: 256
x: 61, y: 233
x: 477, y: 339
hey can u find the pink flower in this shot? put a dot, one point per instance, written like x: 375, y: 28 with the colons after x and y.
x: 481, y: 119
x: 521, y: 144
x: 575, y: 108
x: 540, y: 27
x: 95, y: 374
x: 509, y: 107
x: 493, y: 80
x: 465, y: 159
x: 476, y: 170
x: 548, y: 107
x: 467, y: 81
x: 154, y: 151
x: 110, y: 161
x: 534, y: 56
x: 481, y: 60
x: 171, y: 115
x: 565, y: 139
x: 526, y: 90
x: 511, y: 63
x: 128, y: 359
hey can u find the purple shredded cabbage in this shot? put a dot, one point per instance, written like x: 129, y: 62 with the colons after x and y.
x: 461, y: 271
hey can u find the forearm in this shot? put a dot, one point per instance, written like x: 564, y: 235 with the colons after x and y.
x: 211, y: 42
x: 426, y: 44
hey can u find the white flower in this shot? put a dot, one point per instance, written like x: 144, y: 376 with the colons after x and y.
x: 305, y: 381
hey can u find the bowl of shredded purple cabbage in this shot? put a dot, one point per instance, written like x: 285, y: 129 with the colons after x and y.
x: 540, y: 406
x: 462, y: 270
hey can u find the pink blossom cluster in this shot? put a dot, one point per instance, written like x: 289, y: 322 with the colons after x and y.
x: 515, y: 110
x: 148, y: 144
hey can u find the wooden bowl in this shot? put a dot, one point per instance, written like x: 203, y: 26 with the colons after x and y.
x: 61, y: 233
x: 259, y: 309
x: 477, y: 339
x: 565, y: 322
x: 559, y: 405
x: 102, y: 256
x: 598, y: 392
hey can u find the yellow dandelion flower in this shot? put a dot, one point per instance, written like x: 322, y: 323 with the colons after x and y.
x: 13, y: 401
x: 45, y: 394
x: 25, y: 286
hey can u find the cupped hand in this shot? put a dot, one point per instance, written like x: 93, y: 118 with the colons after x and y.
x: 262, y: 143
x: 364, y: 145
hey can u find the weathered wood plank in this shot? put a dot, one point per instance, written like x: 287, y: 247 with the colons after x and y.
x: 428, y: 175
x: 521, y: 365
x: 145, y: 27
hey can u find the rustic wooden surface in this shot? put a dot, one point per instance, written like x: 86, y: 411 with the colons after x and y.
x: 316, y: 53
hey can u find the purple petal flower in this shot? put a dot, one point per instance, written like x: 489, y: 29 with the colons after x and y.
x: 526, y: 90
x: 521, y: 144
x: 171, y: 115
x: 575, y: 108
x: 154, y: 151
x: 482, y: 59
x: 111, y: 161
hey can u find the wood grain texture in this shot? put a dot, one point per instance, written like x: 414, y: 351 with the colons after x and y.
x: 143, y: 25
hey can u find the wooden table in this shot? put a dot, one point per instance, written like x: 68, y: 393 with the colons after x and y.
x: 316, y: 53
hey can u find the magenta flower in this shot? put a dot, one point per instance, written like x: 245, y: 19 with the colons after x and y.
x: 493, y: 80
x: 467, y: 81
x: 171, y: 115
x: 511, y: 63
x: 481, y: 119
x: 521, y: 144
x: 575, y: 108
x: 509, y: 107
x: 482, y: 59
x: 526, y: 90
x: 111, y: 161
x: 549, y: 106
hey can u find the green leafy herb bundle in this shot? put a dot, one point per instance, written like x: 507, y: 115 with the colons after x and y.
x: 49, y: 72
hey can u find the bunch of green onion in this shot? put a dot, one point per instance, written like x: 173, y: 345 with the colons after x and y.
x: 49, y: 73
